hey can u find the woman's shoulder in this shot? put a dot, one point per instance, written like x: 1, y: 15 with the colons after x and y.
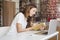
x: 20, y: 14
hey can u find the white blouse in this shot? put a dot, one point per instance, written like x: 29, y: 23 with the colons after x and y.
x: 19, y: 18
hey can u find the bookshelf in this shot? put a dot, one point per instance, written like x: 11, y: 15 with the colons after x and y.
x: 48, y: 9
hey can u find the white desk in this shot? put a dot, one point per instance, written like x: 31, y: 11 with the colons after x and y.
x: 29, y: 36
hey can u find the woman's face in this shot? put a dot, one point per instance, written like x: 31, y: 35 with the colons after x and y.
x: 33, y: 11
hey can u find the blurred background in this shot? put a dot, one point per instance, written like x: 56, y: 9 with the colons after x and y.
x: 47, y: 9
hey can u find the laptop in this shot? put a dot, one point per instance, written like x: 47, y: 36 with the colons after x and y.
x: 51, y: 29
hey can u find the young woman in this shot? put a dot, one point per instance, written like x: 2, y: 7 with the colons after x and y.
x: 22, y: 19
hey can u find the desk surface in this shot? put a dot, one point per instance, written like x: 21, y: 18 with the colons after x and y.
x: 28, y: 36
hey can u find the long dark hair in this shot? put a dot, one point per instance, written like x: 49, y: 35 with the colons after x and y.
x: 26, y: 13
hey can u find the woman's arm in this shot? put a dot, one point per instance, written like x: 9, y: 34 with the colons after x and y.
x: 19, y: 28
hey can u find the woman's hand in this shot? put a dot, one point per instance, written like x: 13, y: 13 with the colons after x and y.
x: 40, y: 26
